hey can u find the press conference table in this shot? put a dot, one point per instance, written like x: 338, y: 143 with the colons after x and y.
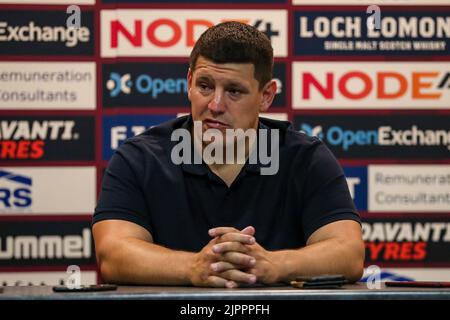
x: 358, y: 291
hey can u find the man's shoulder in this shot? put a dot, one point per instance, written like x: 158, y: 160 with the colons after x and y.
x: 158, y: 134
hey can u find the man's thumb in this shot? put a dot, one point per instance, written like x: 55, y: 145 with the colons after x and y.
x: 248, y: 230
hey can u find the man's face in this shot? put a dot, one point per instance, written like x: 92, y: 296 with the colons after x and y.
x: 227, y: 96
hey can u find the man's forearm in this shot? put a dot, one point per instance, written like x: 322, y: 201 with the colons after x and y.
x: 134, y: 261
x: 332, y: 256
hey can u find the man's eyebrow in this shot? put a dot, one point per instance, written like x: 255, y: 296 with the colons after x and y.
x: 236, y: 84
x: 228, y: 83
x: 203, y: 78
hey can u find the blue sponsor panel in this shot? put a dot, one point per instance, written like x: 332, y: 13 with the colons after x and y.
x: 411, y: 33
x: 392, y: 136
x: 357, y: 184
x: 116, y: 129
x: 160, y: 85
x: 145, y: 85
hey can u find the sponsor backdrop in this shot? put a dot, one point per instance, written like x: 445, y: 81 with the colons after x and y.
x: 77, y: 81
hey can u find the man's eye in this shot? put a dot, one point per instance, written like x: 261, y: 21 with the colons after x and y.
x: 204, y: 87
x: 235, y: 92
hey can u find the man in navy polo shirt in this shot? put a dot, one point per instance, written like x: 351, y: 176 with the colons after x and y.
x: 160, y: 220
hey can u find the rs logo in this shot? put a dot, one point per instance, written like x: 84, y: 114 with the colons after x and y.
x: 14, y: 196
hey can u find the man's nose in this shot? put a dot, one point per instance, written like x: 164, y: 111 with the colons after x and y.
x: 217, y: 104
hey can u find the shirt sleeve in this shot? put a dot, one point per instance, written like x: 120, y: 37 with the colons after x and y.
x: 326, y: 196
x: 121, y: 195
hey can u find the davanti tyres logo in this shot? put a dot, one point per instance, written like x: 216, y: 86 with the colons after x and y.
x: 42, y: 138
x: 399, y: 240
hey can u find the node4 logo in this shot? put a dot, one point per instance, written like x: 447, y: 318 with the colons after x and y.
x: 144, y: 84
x: 133, y: 32
x: 343, y: 85
x: 15, y: 192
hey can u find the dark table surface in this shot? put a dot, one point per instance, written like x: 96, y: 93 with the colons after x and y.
x: 357, y: 291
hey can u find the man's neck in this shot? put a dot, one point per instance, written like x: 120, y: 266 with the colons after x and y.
x: 226, y: 170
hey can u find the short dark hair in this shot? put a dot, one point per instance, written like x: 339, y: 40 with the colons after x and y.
x: 236, y: 42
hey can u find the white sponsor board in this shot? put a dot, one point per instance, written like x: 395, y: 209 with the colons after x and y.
x: 47, y: 190
x: 47, y: 278
x: 371, y: 85
x: 172, y: 33
x: 417, y: 274
x: 47, y: 86
x: 409, y: 188
x: 371, y: 2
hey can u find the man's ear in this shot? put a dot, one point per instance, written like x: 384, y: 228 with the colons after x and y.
x: 268, y: 94
x: 189, y: 83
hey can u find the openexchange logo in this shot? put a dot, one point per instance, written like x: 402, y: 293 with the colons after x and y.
x: 316, y: 131
x: 17, y: 194
x: 383, y: 136
x: 144, y: 84
x: 32, y: 32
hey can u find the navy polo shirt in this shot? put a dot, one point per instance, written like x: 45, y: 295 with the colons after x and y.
x: 178, y: 204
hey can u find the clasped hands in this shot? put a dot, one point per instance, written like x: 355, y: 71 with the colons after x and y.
x: 232, y: 258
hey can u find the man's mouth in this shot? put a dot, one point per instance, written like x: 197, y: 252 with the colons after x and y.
x: 211, y: 123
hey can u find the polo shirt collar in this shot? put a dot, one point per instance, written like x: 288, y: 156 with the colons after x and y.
x: 202, y: 169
